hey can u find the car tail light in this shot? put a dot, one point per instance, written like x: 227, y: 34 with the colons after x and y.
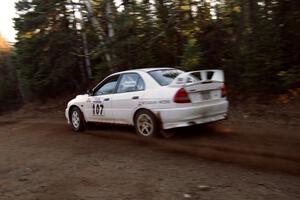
x: 223, y: 91
x: 181, y: 96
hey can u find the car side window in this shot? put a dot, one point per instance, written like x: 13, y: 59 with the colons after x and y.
x: 140, y: 84
x: 108, y: 86
x: 130, y: 83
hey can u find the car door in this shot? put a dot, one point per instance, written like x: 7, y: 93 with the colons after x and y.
x: 129, y: 94
x: 99, y: 104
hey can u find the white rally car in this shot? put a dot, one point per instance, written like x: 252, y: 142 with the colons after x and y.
x: 152, y: 100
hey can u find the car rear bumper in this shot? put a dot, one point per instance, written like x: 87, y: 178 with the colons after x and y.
x: 187, y: 116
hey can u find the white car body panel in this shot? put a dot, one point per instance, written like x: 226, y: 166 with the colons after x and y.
x: 124, y: 105
x: 98, y: 114
x: 206, y: 104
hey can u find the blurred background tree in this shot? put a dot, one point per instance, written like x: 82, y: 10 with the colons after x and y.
x: 62, y: 45
x: 9, y: 92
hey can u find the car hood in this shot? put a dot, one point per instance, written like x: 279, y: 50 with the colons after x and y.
x: 78, y: 99
x: 82, y: 96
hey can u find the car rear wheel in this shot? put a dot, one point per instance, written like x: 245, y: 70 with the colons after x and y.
x: 76, y: 119
x: 146, y: 124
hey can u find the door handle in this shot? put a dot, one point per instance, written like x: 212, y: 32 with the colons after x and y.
x: 106, y: 99
x: 135, y: 97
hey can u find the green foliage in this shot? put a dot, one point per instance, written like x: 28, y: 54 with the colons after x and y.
x: 4, y: 90
x: 256, y: 42
x: 46, y: 48
x: 191, y: 57
x: 9, y: 95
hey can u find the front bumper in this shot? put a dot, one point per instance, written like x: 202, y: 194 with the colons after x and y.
x: 187, y: 116
x: 67, y: 115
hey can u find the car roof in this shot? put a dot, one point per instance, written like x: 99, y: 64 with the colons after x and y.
x: 144, y: 70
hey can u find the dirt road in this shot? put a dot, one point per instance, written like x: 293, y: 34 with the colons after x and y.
x: 42, y: 159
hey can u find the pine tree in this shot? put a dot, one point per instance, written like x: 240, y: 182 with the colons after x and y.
x: 9, y: 93
x: 256, y: 42
x: 46, y: 49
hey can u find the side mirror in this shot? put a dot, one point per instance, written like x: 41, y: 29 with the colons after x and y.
x: 90, y: 92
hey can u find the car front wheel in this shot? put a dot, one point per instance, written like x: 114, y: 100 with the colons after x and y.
x: 146, y: 124
x: 76, y: 119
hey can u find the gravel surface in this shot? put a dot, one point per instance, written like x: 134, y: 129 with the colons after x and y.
x: 41, y: 158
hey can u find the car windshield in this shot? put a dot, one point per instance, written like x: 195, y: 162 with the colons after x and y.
x: 165, y: 76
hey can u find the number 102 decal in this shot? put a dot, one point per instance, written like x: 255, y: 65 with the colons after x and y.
x: 98, y: 109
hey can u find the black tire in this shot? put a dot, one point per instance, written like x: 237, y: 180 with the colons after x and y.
x: 76, y: 119
x: 146, y: 124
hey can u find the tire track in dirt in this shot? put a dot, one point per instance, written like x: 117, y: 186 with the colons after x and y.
x: 239, y: 152
x: 265, y: 160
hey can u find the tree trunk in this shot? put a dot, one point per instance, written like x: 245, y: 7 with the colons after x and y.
x: 87, y: 61
x: 100, y: 32
x: 109, y: 16
x: 85, y: 69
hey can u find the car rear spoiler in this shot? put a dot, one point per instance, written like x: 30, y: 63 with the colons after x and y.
x: 200, y: 76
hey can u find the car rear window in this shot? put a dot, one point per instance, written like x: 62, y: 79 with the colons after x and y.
x: 165, y: 76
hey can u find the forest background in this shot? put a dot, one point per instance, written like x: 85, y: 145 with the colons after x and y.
x: 64, y: 47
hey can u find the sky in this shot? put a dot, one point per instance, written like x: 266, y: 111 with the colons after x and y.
x: 7, y: 13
